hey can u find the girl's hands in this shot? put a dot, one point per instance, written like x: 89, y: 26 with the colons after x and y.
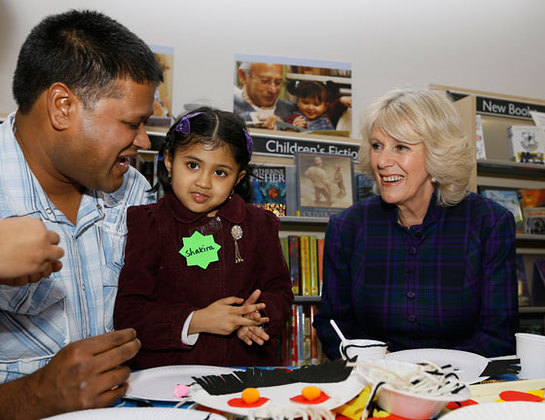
x: 300, y: 122
x: 225, y: 316
x: 251, y: 334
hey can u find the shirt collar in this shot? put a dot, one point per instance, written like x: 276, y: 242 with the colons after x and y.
x: 233, y: 210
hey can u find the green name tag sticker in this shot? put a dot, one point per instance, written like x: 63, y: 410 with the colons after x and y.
x: 200, y: 250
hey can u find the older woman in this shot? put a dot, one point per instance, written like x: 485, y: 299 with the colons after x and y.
x: 425, y: 263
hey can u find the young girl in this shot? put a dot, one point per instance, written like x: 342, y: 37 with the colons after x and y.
x: 313, y: 99
x: 204, y: 281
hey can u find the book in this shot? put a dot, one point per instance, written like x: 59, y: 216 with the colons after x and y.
x: 533, y: 210
x: 313, y: 337
x: 321, y: 244
x: 364, y: 186
x: 532, y: 197
x: 527, y: 143
x: 534, y: 220
x: 479, y: 137
x: 325, y: 183
x: 313, y: 257
x: 305, y: 310
x: 294, y: 336
x: 304, y: 265
x: 508, y: 199
x: 268, y: 185
x: 523, y: 295
x: 300, y: 335
x: 284, y: 242
x: 294, y: 258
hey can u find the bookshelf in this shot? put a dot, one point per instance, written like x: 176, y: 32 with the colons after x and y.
x: 499, y: 170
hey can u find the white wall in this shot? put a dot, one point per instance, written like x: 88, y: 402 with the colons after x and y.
x: 490, y: 45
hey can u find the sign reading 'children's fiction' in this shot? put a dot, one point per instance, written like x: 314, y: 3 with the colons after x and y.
x: 200, y: 250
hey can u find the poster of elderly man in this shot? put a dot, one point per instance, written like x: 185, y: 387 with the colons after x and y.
x: 297, y: 95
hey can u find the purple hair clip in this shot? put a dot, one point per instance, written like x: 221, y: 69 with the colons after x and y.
x: 249, y: 143
x: 183, y: 126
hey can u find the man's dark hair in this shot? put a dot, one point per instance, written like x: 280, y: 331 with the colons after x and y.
x: 87, y: 51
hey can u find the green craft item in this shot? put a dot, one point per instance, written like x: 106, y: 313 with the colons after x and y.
x: 200, y: 250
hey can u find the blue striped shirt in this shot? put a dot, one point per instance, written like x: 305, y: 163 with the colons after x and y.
x: 37, y: 320
x: 448, y: 283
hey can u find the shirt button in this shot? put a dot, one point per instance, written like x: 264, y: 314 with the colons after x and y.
x: 412, y: 250
x: 418, y: 233
x: 412, y: 318
x: 48, y: 210
x: 411, y: 294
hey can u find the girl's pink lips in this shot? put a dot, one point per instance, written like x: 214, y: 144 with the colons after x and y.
x: 199, y: 197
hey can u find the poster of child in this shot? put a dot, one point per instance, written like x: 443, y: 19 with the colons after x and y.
x: 292, y: 94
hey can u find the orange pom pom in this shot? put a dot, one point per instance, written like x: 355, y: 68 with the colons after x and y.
x: 311, y: 393
x: 250, y: 395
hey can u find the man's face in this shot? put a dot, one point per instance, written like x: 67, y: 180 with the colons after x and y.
x: 263, y: 84
x: 104, y: 138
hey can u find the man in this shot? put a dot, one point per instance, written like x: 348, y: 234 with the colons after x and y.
x: 257, y: 103
x: 81, y: 374
x: 84, y: 85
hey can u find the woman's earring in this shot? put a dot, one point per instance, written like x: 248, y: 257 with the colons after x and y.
x: 433, y: 180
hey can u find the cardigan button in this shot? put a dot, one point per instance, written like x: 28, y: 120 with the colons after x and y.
x: 411, y: 294
x: 412, y: 250
x: 412, y: 318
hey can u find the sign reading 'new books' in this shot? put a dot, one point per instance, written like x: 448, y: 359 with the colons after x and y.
x: 504, y: 107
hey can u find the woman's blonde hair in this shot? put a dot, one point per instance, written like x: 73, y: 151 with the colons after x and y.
x: 427, y: 116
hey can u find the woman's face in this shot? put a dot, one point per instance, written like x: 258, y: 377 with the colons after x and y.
x: 400, y: 171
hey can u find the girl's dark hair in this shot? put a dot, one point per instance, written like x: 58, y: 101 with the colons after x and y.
x: 326, y: 91
x: 211, y: 127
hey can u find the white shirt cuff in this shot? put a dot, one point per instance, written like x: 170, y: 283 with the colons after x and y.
x: 189, y: 339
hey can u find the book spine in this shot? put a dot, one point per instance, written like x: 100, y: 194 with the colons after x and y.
x: 313, y: 337
x: 313, y: 257
x: 300, y: 335
x: 304, y: 265
x: 294, y: 337
x: 306, y: 335
x: 294, y: 264
x: 285, y: 250
x: 321, y: 243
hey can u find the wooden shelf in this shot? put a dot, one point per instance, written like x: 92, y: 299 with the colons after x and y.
x: 532, y: 309
x: 512, y: 169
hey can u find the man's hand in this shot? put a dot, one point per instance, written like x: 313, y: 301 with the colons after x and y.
x: 225, y: 316
x: 28, y: 251
x: 85, y: 374
x: 251, y: 334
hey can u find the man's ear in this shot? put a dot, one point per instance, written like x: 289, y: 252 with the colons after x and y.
x: 242, y: 76
x: 61, y: 105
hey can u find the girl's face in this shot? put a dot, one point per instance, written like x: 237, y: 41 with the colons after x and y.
x: 202, y: 177
x: 311, y: 108
x: 400, y: 171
